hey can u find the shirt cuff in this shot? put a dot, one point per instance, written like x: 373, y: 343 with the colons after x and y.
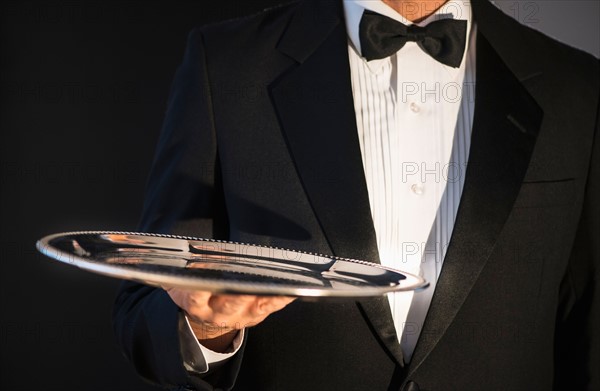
x: 198, y: 358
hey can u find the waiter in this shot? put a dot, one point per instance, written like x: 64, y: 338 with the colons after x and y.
x: 440, y: 138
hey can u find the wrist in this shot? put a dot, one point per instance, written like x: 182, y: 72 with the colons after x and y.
x: 212, y: 336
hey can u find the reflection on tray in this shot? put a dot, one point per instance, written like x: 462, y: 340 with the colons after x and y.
x: 164, y: 260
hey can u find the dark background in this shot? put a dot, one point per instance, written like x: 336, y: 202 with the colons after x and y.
x: 83, y: 93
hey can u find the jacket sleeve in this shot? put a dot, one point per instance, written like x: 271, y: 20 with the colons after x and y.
x: 577, y: 344
x: 183, y: 196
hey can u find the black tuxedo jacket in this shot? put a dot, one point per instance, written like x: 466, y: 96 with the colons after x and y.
x: 260, y: 145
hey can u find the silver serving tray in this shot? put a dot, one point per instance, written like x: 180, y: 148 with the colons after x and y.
x: 223, y: 267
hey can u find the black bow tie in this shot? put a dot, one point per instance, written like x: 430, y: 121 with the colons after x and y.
x: 443, y: 39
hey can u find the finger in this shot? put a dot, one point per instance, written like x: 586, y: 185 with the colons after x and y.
x: 229, y: 305
x: 193, y: 303
x: 238, y: 298
x: 199, y: 298
x: 266, y: 305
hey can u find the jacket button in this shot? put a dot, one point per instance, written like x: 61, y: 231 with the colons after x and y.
x: 411, y: 386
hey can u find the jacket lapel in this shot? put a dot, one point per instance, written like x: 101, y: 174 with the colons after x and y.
x: 505, y: 126
x: 314, y: 104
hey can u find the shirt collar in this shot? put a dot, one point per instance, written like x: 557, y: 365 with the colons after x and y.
x: 353, y: 10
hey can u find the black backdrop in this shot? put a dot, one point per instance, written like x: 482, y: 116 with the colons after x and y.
x: 84, y: 86
x: 84, y: 89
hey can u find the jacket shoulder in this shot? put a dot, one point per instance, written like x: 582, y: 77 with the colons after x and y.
x: 527, y: 48
x: 259, y: 28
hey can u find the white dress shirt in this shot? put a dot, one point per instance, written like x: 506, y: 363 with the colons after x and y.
x: 198, y: 358
x: 414, y: 117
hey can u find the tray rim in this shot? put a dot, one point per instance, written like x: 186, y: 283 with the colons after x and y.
x: 189, y: 282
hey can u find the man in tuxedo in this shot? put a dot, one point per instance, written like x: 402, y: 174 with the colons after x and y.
x: 329, y: 127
